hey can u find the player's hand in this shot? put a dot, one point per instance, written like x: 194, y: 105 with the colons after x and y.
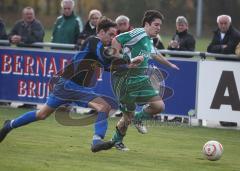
x: 136, y: 61
x: 174, y: 44
x: 16, y: 39
x: 175, y: 67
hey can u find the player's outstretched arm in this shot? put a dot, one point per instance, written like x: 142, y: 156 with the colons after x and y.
x: 159, y: 58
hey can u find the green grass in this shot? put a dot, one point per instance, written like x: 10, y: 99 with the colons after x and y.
x: 46, y: 146
x: 48, y: 35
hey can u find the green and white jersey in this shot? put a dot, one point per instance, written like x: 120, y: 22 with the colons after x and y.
x: 136, y: 42
x: 133, y: 85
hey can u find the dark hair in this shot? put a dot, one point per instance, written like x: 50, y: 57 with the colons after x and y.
x: 150, y: 16
x: 105, y: 23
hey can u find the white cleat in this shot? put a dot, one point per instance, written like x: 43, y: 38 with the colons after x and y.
x: 140, y: 127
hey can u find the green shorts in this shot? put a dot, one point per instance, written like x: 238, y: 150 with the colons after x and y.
x: 133, y: 90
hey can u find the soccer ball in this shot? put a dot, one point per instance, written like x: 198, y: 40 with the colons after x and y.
x: 212, y: 150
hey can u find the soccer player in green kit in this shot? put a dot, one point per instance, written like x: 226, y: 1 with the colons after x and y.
x: 131, y: 85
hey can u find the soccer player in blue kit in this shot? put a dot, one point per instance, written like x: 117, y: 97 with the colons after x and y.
x: 76, y: 85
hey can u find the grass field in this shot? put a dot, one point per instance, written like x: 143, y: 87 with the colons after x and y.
x: 47, y: 145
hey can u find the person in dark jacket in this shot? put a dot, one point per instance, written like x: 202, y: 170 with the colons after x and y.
x: 67, y: 26
x: 225, y: 41
x: 90, y: 27
x: 3, y: 34
x: 182, y: 40
x: 27, y: 30
x: 225, y: 37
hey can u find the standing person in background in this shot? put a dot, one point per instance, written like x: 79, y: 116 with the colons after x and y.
x: 225, y: 38
x: 90, y: 27
x: 27, y: 30
x: 225, y: 41
x: 3, y: 34
x: 123, y: 24
x: 182, y: 40
x: 67, y: 26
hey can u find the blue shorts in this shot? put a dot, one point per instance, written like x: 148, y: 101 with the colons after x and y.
x: 66, y: 91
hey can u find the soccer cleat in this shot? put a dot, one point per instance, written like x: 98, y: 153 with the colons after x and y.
x: 5, y: 130
x: 101, y: 145
x: 140, y: 127
x: 120, y: 146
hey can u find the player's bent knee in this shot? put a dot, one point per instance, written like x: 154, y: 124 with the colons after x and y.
x: 161, y: 107
x: 104, y: 108
x: 158, y: 106
x: 42, y: 115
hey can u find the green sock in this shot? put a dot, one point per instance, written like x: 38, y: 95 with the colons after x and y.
x: 117, y: 137
x: 142, y: 115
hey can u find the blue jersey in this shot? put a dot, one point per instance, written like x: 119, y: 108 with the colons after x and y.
x: 85, y: 65
x: 77, y: 82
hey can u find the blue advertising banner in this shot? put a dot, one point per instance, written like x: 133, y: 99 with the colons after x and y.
x: 183, y: 85
x: 25, y: 74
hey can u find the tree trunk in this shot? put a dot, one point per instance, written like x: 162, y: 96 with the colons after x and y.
x: 48, y: 7
x: 2, y: 5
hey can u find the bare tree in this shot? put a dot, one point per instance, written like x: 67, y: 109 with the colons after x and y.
x: 48, y: 7
x: 2, y: 5
x: 15, y: 5
x: 36, y: 6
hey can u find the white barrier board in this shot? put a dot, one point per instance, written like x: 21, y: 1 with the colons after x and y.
x: 218, y: 91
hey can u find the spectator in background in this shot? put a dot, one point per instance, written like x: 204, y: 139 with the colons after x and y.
x: 67, y: 26
x: 123, y: 24
x: 225, y: 41
x: 27, y: 30
x: 90, y: 27
x: 182, y: 40
x: 225, y: 38
x: 3, y: 34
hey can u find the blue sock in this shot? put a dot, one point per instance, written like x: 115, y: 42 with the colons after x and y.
x: 96, y: 139
x: 24, y: 119
x: 101, y: 125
